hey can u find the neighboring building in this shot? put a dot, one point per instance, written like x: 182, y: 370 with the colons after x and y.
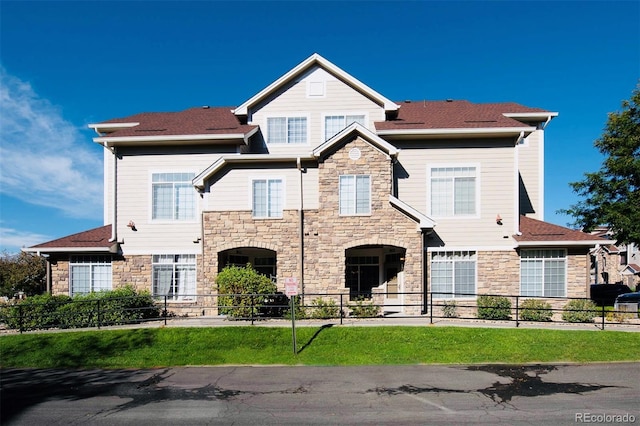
x: 321, y: 178
x: 615, y: 263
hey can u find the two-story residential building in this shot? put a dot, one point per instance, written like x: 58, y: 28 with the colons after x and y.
x: 321, y: 178
x: 615, y: 263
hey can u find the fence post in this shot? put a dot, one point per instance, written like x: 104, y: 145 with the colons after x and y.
x: 603, y: 316
x: 341, y: 308
x: 517, y: 311
x: 252, y: 301
x: 165, y: 313
x: 98, y: 313
x: 431, y: 308
x: 20, y: 319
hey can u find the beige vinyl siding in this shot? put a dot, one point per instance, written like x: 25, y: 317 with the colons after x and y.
x: 530, y: 166
x: 339, y: 98
x: 134, y: 201
x: 495, y: 178
x: 233, y: 191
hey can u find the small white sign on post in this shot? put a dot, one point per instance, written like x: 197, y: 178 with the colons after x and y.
x: 291, y: 286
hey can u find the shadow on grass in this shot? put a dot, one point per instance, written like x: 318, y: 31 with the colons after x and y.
x: 316, y: 334
x: 77, y: 350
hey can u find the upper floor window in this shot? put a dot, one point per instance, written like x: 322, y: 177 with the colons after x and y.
x: 287, y: 130
x: 453, y: 191
x: 543, y: 273
x: 268, y: 198
x: 174, y: 276
x: 333, y: 124
x: 173, y: 196
x: 355, y: 194
x: 89, y: 274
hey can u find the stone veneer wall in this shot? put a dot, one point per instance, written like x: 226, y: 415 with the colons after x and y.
x: 326, y: 234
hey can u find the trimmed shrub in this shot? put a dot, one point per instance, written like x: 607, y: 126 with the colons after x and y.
x: 580, y: 310
x: 120, y: 306
x: 324, y: 309
x: 535, y: 310
x: 494, y: 308
x: 364, y: 308
x: 242, y: 291
x: 300, y: 310
x: 449, y: 309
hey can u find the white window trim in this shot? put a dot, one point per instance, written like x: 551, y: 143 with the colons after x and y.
x: 73, y: 261
x: 284, y: 195
x: 566, y: 269
x: 355, y: 188
x: 453, y: 296
x: 190, y: 298
x: 198, y: 205
x: 345, y: 113
x: 477, y: 214
x: 286, y: 115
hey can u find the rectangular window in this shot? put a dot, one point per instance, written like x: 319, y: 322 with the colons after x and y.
x: 543, y: 273
x: 173, y: 196
x: 453, y: 274
x: 453, y: 191
x: 355, y: 194
x: 268, y: 198
x: 333, y: 124
x: 174, y: 276
x: 287, y: 130
x: 89, y: 274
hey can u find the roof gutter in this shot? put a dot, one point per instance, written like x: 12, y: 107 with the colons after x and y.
x: 486, y: 131
x: 110, y: 141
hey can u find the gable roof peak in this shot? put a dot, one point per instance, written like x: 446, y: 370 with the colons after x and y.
x: 316, y: 60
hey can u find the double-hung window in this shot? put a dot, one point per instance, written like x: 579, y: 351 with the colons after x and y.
x: 453, y: 191
x: 453, y: 274
x: 268, y: 198
x: 287, y: 130
x: 355, y: 194
x: 174, y: 276
x: 173, y: 196
x: 89, y: 274
x: 333, y: 124
x: 543, y: 273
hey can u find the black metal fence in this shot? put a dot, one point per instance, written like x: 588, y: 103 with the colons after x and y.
x: 53, y: 314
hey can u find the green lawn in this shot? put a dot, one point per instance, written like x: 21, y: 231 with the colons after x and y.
x: 164, y: 347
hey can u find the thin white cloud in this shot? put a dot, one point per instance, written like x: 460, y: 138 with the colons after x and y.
x: 45, y: 160
x: 12, y: 240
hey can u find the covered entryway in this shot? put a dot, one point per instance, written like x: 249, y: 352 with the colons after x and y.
x: 262, y: 260
x: 374, y: 270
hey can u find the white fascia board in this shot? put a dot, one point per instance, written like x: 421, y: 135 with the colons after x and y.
x: 371, y: 137
x: 174, y: 138
x: 506, y: 131
x: 570, y: 243
x: 199, y: 180
x: 109, y: 126
x: 532, y: 115
x: 322, y: 62
x: 425, y: 222
x: 67, y: 250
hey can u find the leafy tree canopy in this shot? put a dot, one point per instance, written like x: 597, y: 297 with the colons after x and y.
x: 22, y: 272
x: 611, y: 196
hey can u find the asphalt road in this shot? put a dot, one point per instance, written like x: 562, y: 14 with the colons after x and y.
x: 372, y: 395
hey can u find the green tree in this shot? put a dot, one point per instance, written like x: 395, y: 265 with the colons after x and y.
x: 611, y: 196
x: 24, y: 272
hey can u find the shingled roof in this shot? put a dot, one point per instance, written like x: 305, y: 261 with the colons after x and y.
x: 93, y: 240
x: 535, y: 232
x: 456, y: 115
x: 193, y: 121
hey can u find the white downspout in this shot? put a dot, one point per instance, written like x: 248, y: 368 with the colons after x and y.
x: 301, y: 226
x: 516, y: 209
x: 114, y: 196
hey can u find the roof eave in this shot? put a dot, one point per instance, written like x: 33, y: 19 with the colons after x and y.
x: 46, y: 250
x: 454, y: 132
x: 201, y: 138
x: 362, y: 131
x: 565, y: 243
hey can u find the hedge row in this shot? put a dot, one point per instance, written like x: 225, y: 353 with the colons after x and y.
x: 120, y: 306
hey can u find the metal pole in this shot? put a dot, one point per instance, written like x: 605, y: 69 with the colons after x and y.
x: 430, y: 308
x: 293, y: 323
x: 517, y: 312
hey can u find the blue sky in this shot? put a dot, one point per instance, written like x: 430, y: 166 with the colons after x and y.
x: 64, y: 65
